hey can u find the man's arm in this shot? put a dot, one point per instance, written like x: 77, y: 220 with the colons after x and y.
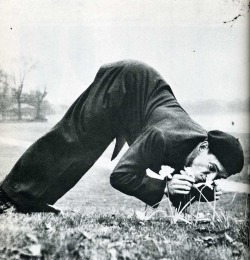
x: 129, y: 176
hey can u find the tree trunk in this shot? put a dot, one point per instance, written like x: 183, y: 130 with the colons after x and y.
x: 38, y: 110
x: 19, y: 110
x: 3, y: 114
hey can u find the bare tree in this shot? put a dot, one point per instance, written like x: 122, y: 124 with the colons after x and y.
x: 4, y: 87
x: 18, y: 85
x: 36, y: 100
x: 39, y: 99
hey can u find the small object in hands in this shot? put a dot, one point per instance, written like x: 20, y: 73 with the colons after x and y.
x: 208, y: 183
x: 166, y: 171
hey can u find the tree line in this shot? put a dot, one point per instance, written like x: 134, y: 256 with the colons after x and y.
x: 17, y: 104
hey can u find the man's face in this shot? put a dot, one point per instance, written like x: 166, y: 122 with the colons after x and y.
x: 206, y: 167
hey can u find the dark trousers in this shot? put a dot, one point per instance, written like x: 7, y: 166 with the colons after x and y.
x: 57, y: 161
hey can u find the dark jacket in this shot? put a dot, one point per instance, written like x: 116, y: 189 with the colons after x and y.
x: 157, y: 129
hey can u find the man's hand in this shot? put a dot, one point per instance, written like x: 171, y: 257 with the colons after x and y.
x: 179, y: 184
x: 217, y: 191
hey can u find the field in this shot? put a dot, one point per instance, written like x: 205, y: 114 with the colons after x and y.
x: 98, y: 222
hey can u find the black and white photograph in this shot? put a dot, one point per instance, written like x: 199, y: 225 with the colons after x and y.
x: 124, y: 129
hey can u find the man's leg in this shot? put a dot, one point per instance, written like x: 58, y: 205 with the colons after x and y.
x: 57, y: 161
x: 47, y: 170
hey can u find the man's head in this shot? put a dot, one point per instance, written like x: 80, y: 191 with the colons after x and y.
x: 218, y: 157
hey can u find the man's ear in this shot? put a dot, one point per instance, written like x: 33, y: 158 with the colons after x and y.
x: 203, y: 146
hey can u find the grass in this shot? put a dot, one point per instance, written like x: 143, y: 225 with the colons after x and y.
x: 98, y: 222
x: 95, y: 235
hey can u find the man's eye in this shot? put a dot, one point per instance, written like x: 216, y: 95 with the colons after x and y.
x: 212, y: 168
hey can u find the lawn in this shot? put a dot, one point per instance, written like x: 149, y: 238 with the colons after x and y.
x: 98, y: 222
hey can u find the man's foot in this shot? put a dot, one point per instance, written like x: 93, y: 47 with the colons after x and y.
x: 40, y: 207
x: 6, y: 206
x: 5, y: 203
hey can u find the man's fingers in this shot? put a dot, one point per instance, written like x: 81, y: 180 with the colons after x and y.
x: 217, y: 188
x: 184, y: 177
x: 185, y: 183
x: 181, y: 192
x: 217, y: 195
x: 181, y: 187
x: 180, y: 184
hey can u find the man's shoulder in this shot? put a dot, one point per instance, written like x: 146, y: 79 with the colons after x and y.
x: 178, y: 126
x: 173, y: 136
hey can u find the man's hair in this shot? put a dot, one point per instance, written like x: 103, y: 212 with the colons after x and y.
x: 190, y: 158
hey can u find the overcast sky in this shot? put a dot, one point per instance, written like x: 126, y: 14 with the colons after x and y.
x: 199, y: 55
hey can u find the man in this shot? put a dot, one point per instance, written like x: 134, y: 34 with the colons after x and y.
x: 131, y: 102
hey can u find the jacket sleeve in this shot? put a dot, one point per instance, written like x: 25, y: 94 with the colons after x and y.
x: 129, y: 176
